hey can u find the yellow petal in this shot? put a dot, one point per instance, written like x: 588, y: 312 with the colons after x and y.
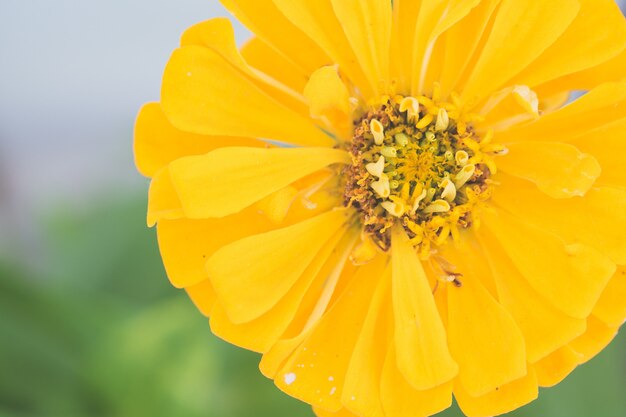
x: 205, y: 94
x: 263, y: 57
x: 611, y: 307
x: 500, y: 401
x: 545, y: 328
x: 597, y: 34
x: 186, y: 245
x: 361, y: 391
x: 319, y: 412
x: 606, y: 144
x: 218, y: 35
x: 203, y: 296
x: 434, y: 18
x: 309, y: 315
x: 228, y: 180
x: 484, y: 339
x: 367, y: 25
x: 268, y: 23
x: 601, y: 106
x: 558, y: 169
x: 405, y: 13
x: 596, y: 219
x: 260, y: 334
x: 329, y: 97
x: 421, y: 344
x: 276, y: 205
x: 400, y: 399
x: 553, y: 369
x: 595, y: 339
x: 612, y: 70
x: 462, y: 41
x: 516, y: 41
x: 317, y: 19
x: 252, y: 274
x: 163, y: 201
x: 316, y: 372
x: 157, y: 142
x: 578, y: 273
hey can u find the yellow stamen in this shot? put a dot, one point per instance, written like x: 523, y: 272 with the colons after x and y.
x: 395, y: 209
x: 449, y: 190
x: 443, y: 120
x: 382, y: 187
x: 464, y: 175
x: 411, y: 106
x: 418, y: 200
x: 376, y: 169
x: 378, y: 131
x: 461, y: 158
x: 437, y: 206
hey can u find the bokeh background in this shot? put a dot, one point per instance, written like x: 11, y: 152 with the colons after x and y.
x: 89, y: 325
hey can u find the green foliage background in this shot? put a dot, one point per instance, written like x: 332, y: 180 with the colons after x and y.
x: 96, y: 330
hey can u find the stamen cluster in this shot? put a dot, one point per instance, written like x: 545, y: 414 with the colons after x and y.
x: 419, y: 163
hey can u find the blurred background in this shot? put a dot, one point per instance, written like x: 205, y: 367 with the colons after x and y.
x: 89, y: 325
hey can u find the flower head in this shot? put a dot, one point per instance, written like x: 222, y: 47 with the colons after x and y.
x: 391, y: 200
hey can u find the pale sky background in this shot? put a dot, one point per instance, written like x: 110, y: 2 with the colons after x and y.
x: 73, y: 74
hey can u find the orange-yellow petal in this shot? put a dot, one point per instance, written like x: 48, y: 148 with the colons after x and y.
x: 163, y: 200
x: 268, y: 23
x: 484, y: 339
x: 611, y: 70
x: 597, y: 34
x: 420, y: 338
x: 611, y: 307
x: 361, y: 391
x: 596, y: 219
x: 186, y: 245
x: 218, y: 35
x: 317, y: 19
x: 578, y: 273
x: 316, y: 372
x: 158, y: 143
x: 228, y: 180
x: 557, y: 366
x: 545, y: 328
x: 558, y: 169
x: 320, y: 412
x: 260, y: 334
x: 606, y: 144
x: 203, y: 93
x: 599, y: 107
x: 596, y: 338
x: 252, y: 274
x: 367, y: 25
x: 328, y: 97
x: 400, y: 399
x: 462, y: 42
x: 433, y: 19
x: 203, y: 296
x: 516, y: 41
x: 258, y: 54
x: 499, y: 401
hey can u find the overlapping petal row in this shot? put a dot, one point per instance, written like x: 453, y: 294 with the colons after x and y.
x: 257, y: 233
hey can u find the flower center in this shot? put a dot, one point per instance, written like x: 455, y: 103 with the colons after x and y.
x: 418, y: 163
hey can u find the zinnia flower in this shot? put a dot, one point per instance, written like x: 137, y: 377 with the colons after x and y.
x: 392, y: 201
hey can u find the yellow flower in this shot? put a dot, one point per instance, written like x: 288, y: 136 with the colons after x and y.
x: 441, y: 222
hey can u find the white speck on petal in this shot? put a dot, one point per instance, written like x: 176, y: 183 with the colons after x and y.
x: 352, y: 398
x: 189, y: 74
x: 330, y: 378
x: 333, y: 390
x: 290, y: 378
